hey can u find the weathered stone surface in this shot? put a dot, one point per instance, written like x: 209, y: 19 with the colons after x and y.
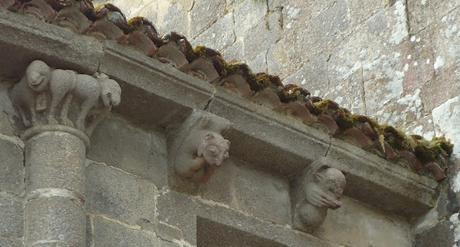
x: 7, y: 112
x: 11, y: 215
x: 47, y: 154
x: 248, y: 13
x: 54, y: 219
x: 113, y: 234
x: 214, y: 234
x: 11, y: 165
x: 385, y: 230
x: 182, y: 211
x: 172, y: 16
x: 59, y: 46
x: 203, y: 14
x: 131, y: 149
x: 441, y: 235
x: 259, y: 63
x: 11, y: 242
x: 262, y: 35
x: 421, y: 14
x: 218, y: 36
x: 446, y: 118
x: 119, y: 195
x: 255, y: 193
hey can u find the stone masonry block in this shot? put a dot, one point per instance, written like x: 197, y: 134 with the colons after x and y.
x: 119, y: 195
x: 441, y: 235
x: 247, y: 14
x: 259, y: 194
x: 50, y: 219
x: 113, y: 234
x: 118, y: 144
x: 220, y: 35
x: 203, y: 14
x: 11, y: 165
x: 46, y: 155
x: 11, y: 220
x: 11, y: 242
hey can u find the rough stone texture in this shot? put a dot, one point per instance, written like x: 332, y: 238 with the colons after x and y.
x: 111, y: 233
x: 255, y: 193
x: 370, y: 45
x: 388, y: 230
x: 119, y: 195
x: 134, y: 150
x: 55, y: 220
x: 55, y: 160
x: 10, y: 242
x: 11, y: 215
x: 7, y: 112
x: 441, y: 236
x: 220, y: 35
x: 11, y: 165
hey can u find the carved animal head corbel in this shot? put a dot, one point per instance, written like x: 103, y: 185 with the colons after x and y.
x: 318, y: 189
x: 198, y: 146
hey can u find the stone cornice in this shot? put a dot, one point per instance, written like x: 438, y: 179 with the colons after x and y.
x: 156, y: 95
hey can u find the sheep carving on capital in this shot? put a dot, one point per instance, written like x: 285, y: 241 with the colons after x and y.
x: 47, y: 96
x: 199, y: 147
x: 318, y: 189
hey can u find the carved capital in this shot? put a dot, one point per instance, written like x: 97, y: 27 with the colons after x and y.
x: 199, y: 147
x: 318, y: 189
x: 64, y: 99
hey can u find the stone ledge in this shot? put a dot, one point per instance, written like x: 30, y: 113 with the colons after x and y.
x: 282, y: 145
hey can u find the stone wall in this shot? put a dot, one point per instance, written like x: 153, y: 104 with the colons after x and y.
x: 392, y: 59
x: 131, y: 195
x: 396, y: 60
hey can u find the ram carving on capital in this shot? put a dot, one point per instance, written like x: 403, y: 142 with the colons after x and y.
x: 47, y: 97
x: 319, y: 189
x: 199, y: 147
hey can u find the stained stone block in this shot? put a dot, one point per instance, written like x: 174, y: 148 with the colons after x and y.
x: 218, y: 36
x: 119, y: 195
x: 442, y: 235
x: 168, y: 244
x: 5, y: 242
x: 110, y: 233
x: 55, y: 219
x: 11, y: 165
x: 133, y: 150
x: 264, y: 34
x: 203, y: 14
x: 45, y: 156
x: 256, y: 193
x: 248, y: 13
x: 11, y: 220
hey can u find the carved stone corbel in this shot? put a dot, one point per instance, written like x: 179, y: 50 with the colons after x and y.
x: 59, y: 109
x: 318, y: 189
x: 198, y: 147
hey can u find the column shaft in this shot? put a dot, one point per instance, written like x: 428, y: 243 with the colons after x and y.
x: 54, y: 207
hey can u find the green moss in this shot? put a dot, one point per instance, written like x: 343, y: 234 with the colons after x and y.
x: 292, y: 92
x: 243, y: 70
x: 429, y: 151
x: 396, y: 138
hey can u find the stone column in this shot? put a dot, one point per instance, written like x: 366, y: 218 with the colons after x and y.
x: 59, y: 109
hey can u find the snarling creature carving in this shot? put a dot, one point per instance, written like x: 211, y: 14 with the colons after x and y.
x: 199, y: 146
x: 54, y: 92
x: 317, y: 190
